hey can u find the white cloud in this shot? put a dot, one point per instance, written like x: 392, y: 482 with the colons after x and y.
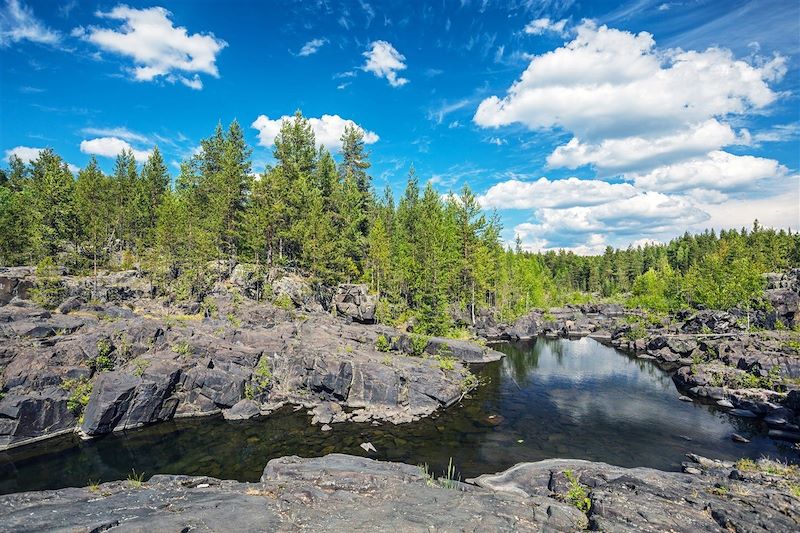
x: 328, y: 130
x: 781, y: 211
x: 312, y: 47
x: 544, y: 25
x: 122, y: 133
x: 157, y: 48
x: 636, y: 153
x: 25, y: 153
x: 608, y: 83
x: 111, y: 147
x: 385, y: 62
x: 644, y: 214
x: 497, y: 141
x: 18, y: 23
x: 570, y: 192
x: 719, y: 171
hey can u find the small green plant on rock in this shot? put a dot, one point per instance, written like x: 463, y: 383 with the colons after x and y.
x: 234, y: 320
x: 182, y: 348
x: 745, y: 464
x: 576, y: 493
x: 139, y: 366
x: 469, y: 382
x: 103, y: 361
x: 94, y: 486
x: 446, y: 362
x: 387, y: 360
x: 418, y: 344
x: 382, y: 344
x: 283, y: 301
x: 262, y: 375
x: 135, y: 480
x: 208, y: 307
x: 450, y: 480
x: 79, y: 392
x: 249, y: 392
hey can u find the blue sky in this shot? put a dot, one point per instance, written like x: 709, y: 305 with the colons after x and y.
x: 584, y: 124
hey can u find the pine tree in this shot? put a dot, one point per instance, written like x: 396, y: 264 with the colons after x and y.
x: 92, y: 204
x: 53, y: 208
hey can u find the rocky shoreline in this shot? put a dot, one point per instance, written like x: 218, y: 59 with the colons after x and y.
x: 342, y: 492
x: 749, y: 365
x: 125, y: 360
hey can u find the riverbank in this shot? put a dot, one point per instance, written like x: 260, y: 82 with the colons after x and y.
x: 128, y: 360
x: 749, y: 365
x: 342, y: 492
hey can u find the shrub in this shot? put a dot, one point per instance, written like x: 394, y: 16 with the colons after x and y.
x: 103, y: 361
x: 262, y: 374
x: 469, y: 382
x: 208, y: 307
x: 446, y: 362
x: 284, y: 302
x: 418, y: 344
x: 382, y: 344
x: 139, y: 366
x: 80, y: 390
x: 576, y: 493
x: 47, y: 291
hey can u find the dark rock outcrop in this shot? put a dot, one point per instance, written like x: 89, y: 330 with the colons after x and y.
x: 354, y: 302
x: 343, y: 493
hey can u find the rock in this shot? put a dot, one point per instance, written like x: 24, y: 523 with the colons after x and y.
x: 464, y: 351
x: 685, y: 398
x: 342, y: 493
x: 325, y: 427
x: 110, y: 399
x: 294, y: 287
x: 70, y: 304
x: 242, y: 410
x: 735, y: 437
x: 368, y: 447
x: 745, y: 413
x: 354, y: 302
x: 33, y: 416
x: 725, y: 403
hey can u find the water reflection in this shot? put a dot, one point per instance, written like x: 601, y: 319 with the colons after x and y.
x: 547, y: 398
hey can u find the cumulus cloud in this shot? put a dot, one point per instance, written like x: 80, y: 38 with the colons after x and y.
x: 570, y: 192
x: 328, y: 130
x: 545, y: 25
x: 312, y: 47
x: 25, y: 153
x: 18, y: 23
x: 630, y: 106
x: 385, y: 61
x: 159, y: 49
x: 641, y: 215
x: 636, y: 153
x: 111, y: 147
x: 609, y: 83
x: 719, y: 170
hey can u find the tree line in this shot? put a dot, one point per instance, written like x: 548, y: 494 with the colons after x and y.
x: 433, y: 259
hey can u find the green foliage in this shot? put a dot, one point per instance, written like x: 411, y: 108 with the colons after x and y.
x: 234, y: 320
x: 382, y: 344
x: 418, y: 344
x: 135, y: 480
x: 450, y: 480
x: 446, y: 362
x: 208, y: 307
x: 249, y: 391
x: 283, y: 301
x: 576, y: 493
x: 262, y: 375
x: 103, y: 361
x: 80, y: 390
x: 48, y: 290
x: 469, y: 382
x: 183, y: 348
x: 139, y: 366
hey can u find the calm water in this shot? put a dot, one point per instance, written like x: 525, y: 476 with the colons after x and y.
x: 548, y: 398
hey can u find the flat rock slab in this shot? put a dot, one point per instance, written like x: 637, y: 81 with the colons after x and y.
x: 348, y: 493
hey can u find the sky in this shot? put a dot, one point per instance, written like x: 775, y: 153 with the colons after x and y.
x: 584, y: 124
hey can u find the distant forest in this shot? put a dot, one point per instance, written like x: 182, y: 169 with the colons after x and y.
x: 429, y: 258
